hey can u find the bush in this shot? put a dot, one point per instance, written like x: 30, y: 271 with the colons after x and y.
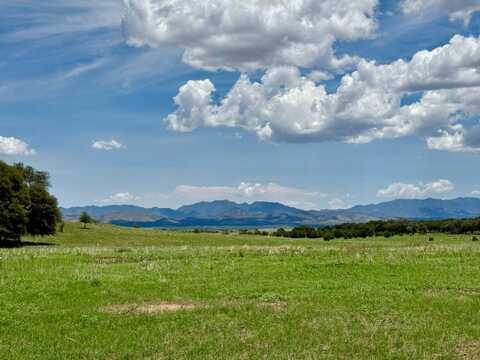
x: 431, y: 239
x: 328, y: 237
x: 474, y: 238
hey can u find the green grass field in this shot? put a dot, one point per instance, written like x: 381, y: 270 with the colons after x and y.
x: 113, y: 293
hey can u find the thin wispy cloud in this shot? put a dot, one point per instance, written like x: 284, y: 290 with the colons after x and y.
x: 122, y: 198
x: 56, y: 18
x: 45, y: 86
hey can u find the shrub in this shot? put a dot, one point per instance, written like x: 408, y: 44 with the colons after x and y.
x: 431, y: 238
x: 474, y: 238
x: 328, y: 237
x: 85, y: 219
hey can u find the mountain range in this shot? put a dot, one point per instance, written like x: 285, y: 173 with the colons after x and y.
x: 226, y: 213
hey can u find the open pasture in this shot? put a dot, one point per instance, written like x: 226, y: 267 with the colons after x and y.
x: 115, y: 293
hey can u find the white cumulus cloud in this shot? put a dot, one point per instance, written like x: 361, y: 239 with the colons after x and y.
x: 108, y: 145
x: 251, y: 34
x: 285, y: 106
x: 475, y: 193
x: 412, y: 191
x: 14, y: 146
x: 457, y: 9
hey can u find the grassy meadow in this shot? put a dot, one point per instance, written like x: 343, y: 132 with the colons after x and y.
x: 115, y: 293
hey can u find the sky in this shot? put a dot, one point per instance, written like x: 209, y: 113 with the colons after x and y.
x: 315, y: 104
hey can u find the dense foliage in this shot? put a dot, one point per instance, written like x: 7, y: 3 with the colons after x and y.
x: 384, y: 228
x: 26, y: 206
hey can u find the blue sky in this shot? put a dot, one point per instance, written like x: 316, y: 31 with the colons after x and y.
x: 89, y: 97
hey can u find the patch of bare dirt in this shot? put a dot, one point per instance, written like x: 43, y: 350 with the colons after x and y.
x: 148, y: 309
x: 469, y: 350
x: 276, y: 306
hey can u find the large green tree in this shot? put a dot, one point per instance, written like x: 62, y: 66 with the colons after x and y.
x: 14, y: 201
x: 26, y: 206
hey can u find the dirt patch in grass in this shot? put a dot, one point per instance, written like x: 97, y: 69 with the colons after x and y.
x: 469, y: 350
x: 148, y: 309
x: 275, y: 306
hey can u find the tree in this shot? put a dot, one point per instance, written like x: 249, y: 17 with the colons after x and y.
x: 43, y: 212
x: 85, y: 219
x: 34, y: 177
x: 14, y: 200
x: 26, y: 206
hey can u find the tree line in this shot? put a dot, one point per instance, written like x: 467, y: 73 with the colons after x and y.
x: 26, y: 206
x: 385, y: 228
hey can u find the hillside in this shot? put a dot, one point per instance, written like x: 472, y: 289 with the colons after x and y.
x: 422, y: 209
x: 266, y: 214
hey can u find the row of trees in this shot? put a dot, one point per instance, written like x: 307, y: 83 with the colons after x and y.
x: 383, y: 228
x: 26, y: 206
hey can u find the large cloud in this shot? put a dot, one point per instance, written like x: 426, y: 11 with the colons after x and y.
x: 457, y: 9
x: 411, y: 191
x: 288, y: 107
x: 251, y: 34
x: 14, y: 146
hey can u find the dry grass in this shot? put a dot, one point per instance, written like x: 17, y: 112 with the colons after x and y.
x: 469, y: 350
x: 148, y: 309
